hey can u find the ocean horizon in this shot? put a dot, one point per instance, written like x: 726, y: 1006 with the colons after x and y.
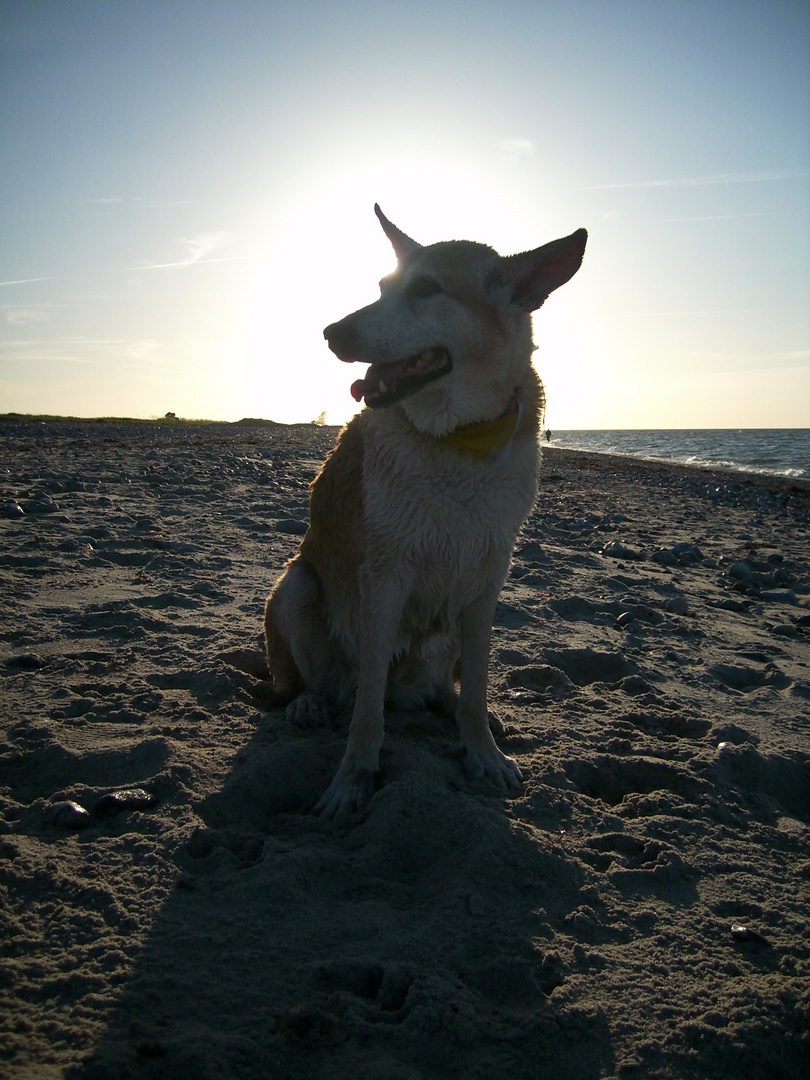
x: 781, y: 452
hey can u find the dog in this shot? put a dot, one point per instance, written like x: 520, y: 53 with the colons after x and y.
x: 415, y: 513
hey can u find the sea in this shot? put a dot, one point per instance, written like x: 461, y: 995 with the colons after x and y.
x: 771, y: 451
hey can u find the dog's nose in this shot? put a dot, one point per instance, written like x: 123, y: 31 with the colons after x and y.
x: 342, y: 340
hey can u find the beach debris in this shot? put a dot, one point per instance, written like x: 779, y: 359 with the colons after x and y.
x: 726, y: 747
x: 118, y: 801
x: 69, y: 815
x: 639, y: 613
x: 13, y: 510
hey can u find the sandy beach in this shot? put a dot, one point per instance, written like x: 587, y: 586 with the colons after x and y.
x: 639, y: 910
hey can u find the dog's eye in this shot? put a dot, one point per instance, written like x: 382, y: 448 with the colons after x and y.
x: 423, y: 287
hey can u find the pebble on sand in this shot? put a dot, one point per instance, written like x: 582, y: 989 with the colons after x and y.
x: 615, y: 549
x: 743, y: 933
x: 69, y: 815
x: 118, y: 801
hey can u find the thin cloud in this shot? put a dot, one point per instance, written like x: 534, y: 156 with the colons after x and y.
x: 29, y: 280
x: 198, y: 248
x: 133, y: 200
x: 706, y: 311
x: 517, y: 146
x: 204, y: 243
x: 705, y: 181
x: 186, y: 262
x: 140, y: 353
x: 699, y: 217
x: 27, y: 314
x: 741, y: 361
x: 782, y: 358
x: 514, y: 150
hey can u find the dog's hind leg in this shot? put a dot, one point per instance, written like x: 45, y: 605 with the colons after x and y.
x: 300, y: 655
x: 382, y: 603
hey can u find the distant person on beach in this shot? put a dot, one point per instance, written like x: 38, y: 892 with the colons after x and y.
x: 548, y: 435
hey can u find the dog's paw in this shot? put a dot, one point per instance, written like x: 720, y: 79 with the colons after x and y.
x: 308, y: 710
x: 348, y: 793
x: 487, y: 762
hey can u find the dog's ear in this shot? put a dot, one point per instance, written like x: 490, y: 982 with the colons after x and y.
x: 532, y: 275
x: 402, y: 244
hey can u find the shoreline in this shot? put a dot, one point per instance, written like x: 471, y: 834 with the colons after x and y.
x: 627, y: 462
x: 729, y: 475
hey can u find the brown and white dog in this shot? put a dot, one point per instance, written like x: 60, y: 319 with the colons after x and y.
x: 415, y: 512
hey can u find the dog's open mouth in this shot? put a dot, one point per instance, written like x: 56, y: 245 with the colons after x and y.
x: 385, y: 384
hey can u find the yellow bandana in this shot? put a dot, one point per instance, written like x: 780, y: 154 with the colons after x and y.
x: 492, y: 437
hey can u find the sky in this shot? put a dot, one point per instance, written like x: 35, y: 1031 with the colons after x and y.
x: 187, y: 191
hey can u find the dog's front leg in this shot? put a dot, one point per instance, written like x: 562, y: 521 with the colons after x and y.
x: 482, y: 756
x: 382, y: 603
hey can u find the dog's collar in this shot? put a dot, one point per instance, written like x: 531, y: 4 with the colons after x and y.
x: 492, y: 438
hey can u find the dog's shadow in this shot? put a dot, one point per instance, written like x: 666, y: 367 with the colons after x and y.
x: 407, y: 941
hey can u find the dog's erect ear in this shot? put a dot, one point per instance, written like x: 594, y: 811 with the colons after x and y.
x: 532, y: 275
x: 402, y: 244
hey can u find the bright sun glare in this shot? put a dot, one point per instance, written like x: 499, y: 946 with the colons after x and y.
x: 327, y: 263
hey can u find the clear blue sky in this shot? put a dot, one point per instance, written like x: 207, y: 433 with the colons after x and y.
x: 186, y: 193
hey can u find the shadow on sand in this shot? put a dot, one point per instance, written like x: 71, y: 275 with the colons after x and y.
x: 415, y: 942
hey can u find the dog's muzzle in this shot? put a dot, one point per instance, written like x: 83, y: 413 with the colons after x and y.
x: 342, y: 339
x: 388, y: 383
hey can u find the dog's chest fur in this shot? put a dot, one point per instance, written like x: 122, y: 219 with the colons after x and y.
x: 436, y: 522
x: 440, y: 507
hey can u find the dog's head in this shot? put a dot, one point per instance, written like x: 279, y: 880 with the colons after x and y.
x: 450, y: 337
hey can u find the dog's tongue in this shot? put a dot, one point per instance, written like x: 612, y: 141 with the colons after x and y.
x: 358, y: 389
x: 368, y: 385
x: 387, y: 383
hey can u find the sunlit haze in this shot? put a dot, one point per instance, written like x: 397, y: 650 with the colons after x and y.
x: 188, y: 190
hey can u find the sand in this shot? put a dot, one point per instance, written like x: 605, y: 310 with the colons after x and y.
x: 639, y: 910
